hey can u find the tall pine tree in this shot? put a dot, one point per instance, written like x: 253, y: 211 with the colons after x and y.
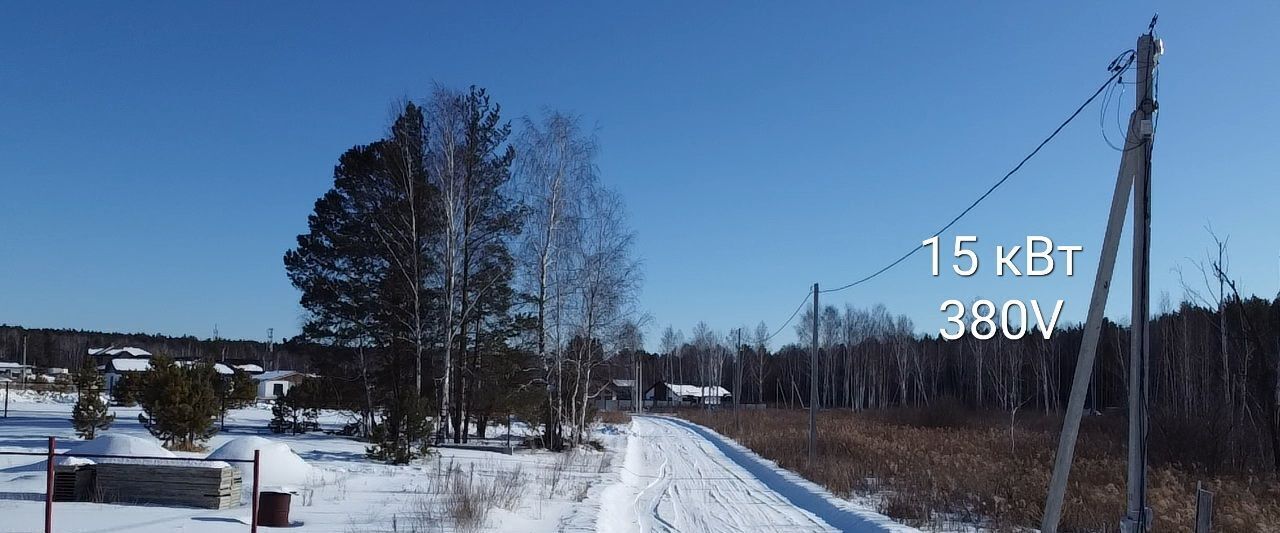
x: 364, y: 269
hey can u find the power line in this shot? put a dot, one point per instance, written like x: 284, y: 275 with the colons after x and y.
x: 807, y: 294
x: 1117, y: 69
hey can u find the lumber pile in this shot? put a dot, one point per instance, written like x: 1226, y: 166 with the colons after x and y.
x: 72, y: 483
x: 200, y: 486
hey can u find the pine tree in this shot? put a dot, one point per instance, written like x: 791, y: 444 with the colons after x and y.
x: 126, y: 389
x: 179, y: 403
x: 402, y: 439
x: 364, y: 269
x: 281, y: 416
x: 244, y: 390
x: 89, y: 416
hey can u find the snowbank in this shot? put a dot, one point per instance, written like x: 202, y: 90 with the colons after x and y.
x: 140, y: 450
x: 115, y: 444
x: 278, y: 466
x: 31, y: 396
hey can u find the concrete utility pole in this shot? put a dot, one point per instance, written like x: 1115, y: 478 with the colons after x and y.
x: 1134, y: 163
x: 813, y: 382
x: 22, y: 372
x: 737, y: 370
x: 1137, y: 514
x: 637, y: 393
x: 737, y: 381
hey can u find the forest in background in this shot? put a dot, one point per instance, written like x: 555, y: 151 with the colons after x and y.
x: 66, y: 348
x: 1214, y: 371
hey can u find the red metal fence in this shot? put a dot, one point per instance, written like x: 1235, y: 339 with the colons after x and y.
x: 52, y: 453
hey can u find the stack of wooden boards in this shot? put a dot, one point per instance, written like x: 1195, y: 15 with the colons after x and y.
x: 170, y: 483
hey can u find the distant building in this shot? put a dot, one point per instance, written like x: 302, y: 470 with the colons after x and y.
x: 14, y: 371
x: 663, y: 393
x: 111, y: 352
x: 115, y: 369
x: 249, y: 368
x: 276, y: 383
x: 618, y: 389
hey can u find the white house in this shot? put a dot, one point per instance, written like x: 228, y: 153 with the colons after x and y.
x: 663, y: 392
x: 115, y: 369
x: 276, y: 383
x: 14, y: 371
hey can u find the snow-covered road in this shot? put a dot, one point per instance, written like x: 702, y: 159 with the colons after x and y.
x: 681, y: 477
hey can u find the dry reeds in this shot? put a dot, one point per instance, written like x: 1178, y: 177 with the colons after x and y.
x: 933, y: 466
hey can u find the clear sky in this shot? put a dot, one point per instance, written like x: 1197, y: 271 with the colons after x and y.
x: 156, y: 162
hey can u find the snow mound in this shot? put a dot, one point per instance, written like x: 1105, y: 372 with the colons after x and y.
x: 114, y: 444
x: 134, y: 451
x: 278, y: 466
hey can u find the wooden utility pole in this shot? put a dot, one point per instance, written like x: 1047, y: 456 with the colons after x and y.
x: 813, y: 382
x: 1134, y: 163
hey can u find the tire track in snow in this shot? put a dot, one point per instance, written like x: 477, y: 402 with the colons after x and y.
x: 681, y: 477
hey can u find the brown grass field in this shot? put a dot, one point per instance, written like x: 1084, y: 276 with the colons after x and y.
x: 931, y: 466
x: 614, y: 417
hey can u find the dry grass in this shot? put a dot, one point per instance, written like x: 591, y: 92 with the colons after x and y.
x: 572, y: 474
x: 930, y: 466
x: 464, y: 497
x: 614, y: 417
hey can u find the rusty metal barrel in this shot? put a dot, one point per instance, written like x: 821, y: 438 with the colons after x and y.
x: 273, y: 509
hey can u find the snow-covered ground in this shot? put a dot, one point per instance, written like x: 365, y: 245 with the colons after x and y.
x: 342, y: 492
x: 658, y: 474
x: 679, y: 476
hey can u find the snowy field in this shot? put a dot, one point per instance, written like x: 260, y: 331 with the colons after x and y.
x: 657, y: 474
x: 341, y: 492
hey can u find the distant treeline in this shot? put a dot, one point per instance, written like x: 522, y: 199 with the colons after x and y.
x: 1214, y: 375
x: 66, y: 348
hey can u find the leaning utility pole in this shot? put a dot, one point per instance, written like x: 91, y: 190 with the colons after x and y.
x: 813, y: 382
x: 1135, y: 174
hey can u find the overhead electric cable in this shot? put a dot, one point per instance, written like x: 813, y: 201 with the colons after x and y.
x: 807, y: 295
x: 1117, y: 68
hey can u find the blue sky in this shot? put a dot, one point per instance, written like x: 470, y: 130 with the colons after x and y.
x: 155, y: 162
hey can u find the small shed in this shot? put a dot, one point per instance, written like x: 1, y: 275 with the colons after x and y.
x: 276, y: 383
